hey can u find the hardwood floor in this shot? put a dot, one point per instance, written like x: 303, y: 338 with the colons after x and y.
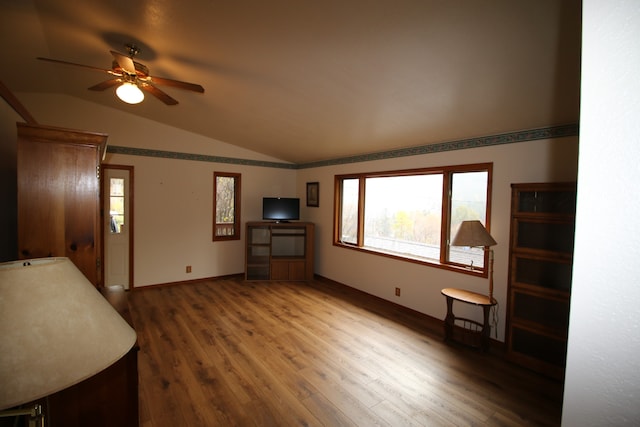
x: 235, y: 353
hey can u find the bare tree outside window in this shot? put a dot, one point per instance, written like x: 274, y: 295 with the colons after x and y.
x: 226, y: 224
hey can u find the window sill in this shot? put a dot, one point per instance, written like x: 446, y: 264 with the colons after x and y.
x: 457, y: 268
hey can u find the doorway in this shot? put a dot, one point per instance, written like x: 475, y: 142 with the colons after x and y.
x: 117, y: 226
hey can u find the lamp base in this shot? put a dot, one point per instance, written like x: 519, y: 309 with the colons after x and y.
x: 36, y: 417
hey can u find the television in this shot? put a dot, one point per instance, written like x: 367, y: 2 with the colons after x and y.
x: 280, y: 209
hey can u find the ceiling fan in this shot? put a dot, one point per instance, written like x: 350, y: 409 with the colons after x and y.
x: 131, y: 77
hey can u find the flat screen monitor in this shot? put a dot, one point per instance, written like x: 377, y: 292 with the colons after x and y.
x: 280, y: 209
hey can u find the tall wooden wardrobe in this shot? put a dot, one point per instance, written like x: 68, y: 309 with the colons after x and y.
x: 59, y: 195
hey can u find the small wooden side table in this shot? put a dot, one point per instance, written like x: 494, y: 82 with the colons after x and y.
x: 468, y: 297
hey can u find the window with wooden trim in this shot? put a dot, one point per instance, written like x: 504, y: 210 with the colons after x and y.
x: 116, y: 205
x: 414, y: 214
x: 226, y: 206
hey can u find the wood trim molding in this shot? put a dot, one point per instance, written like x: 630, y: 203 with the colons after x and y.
x: 16, y: 104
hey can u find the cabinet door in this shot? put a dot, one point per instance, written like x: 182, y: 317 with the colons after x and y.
x: 297, y: 270
x: 287, y: 269
x: 541, y: 273
x: 58, y: 203
x: 279, y: 269
x: 258, y: 253
x: 547, y: 314
x: 543, y: 236
x: 547, y: 199
x: 258, y: 235
x: 538, y: 351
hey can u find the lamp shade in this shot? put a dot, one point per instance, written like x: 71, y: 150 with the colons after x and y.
x: 130, y: 93
x: 56, y: 329
x: 472, y: 233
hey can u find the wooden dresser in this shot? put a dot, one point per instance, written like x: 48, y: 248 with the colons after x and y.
x: 107, y: 399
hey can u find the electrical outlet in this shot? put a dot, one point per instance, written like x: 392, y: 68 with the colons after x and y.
x: 397, y: 292
x: 188, y: 269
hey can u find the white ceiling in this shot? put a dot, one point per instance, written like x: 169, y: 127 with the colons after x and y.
x: 313, y: 80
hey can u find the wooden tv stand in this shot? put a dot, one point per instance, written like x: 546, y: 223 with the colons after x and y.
x: 279, y: 251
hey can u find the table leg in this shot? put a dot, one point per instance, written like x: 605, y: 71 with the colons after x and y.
x: 486, y: 329
x: 449, y: 320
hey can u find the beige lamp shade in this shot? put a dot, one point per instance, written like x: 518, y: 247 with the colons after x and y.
x: 56, y: 329
x: 472, y: 233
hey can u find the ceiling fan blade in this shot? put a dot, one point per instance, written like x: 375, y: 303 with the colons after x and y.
x: 57, y: 61
x: 158, y: 94
x: 106, y: 84
x: 177, y: 84
x: 125, y: 62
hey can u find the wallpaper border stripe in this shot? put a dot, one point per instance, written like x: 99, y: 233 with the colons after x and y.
x: 483, y: 141
x: 131, y: 151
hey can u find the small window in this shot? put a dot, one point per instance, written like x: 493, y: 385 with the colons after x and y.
x: 414, y: 214
x: 116, y: 205
x: 349, y: 212
x: 226, y: 206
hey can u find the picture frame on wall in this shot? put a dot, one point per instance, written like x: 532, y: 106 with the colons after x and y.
x: 313, y: 194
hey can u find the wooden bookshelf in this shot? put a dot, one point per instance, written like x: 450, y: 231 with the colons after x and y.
x: 540, y: 267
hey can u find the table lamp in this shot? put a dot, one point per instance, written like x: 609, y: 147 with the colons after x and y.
x: 473, y: 234
x: 56, y: 330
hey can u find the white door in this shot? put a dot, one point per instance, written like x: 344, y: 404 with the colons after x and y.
x: 116, y: 226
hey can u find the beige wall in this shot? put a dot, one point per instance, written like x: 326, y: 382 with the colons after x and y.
x: 173, y: 216
x: 173, y: 204
x: 602, y: 383
x: 536, y: 161
x: 173, y: 198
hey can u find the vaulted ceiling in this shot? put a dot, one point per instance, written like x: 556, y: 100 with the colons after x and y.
x: 313, y: 80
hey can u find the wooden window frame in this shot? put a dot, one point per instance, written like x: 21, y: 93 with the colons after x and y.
x: 445, y: 239
x: 236, y: 209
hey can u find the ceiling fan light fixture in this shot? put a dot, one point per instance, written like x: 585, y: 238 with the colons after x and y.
x: 130, y: 93
x: 132, y: 78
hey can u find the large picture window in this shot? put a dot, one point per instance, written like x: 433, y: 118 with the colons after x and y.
x: 414, y: 214
x: 226, y: 206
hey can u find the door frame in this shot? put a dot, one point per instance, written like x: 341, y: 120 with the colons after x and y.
x: 128, y: 168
